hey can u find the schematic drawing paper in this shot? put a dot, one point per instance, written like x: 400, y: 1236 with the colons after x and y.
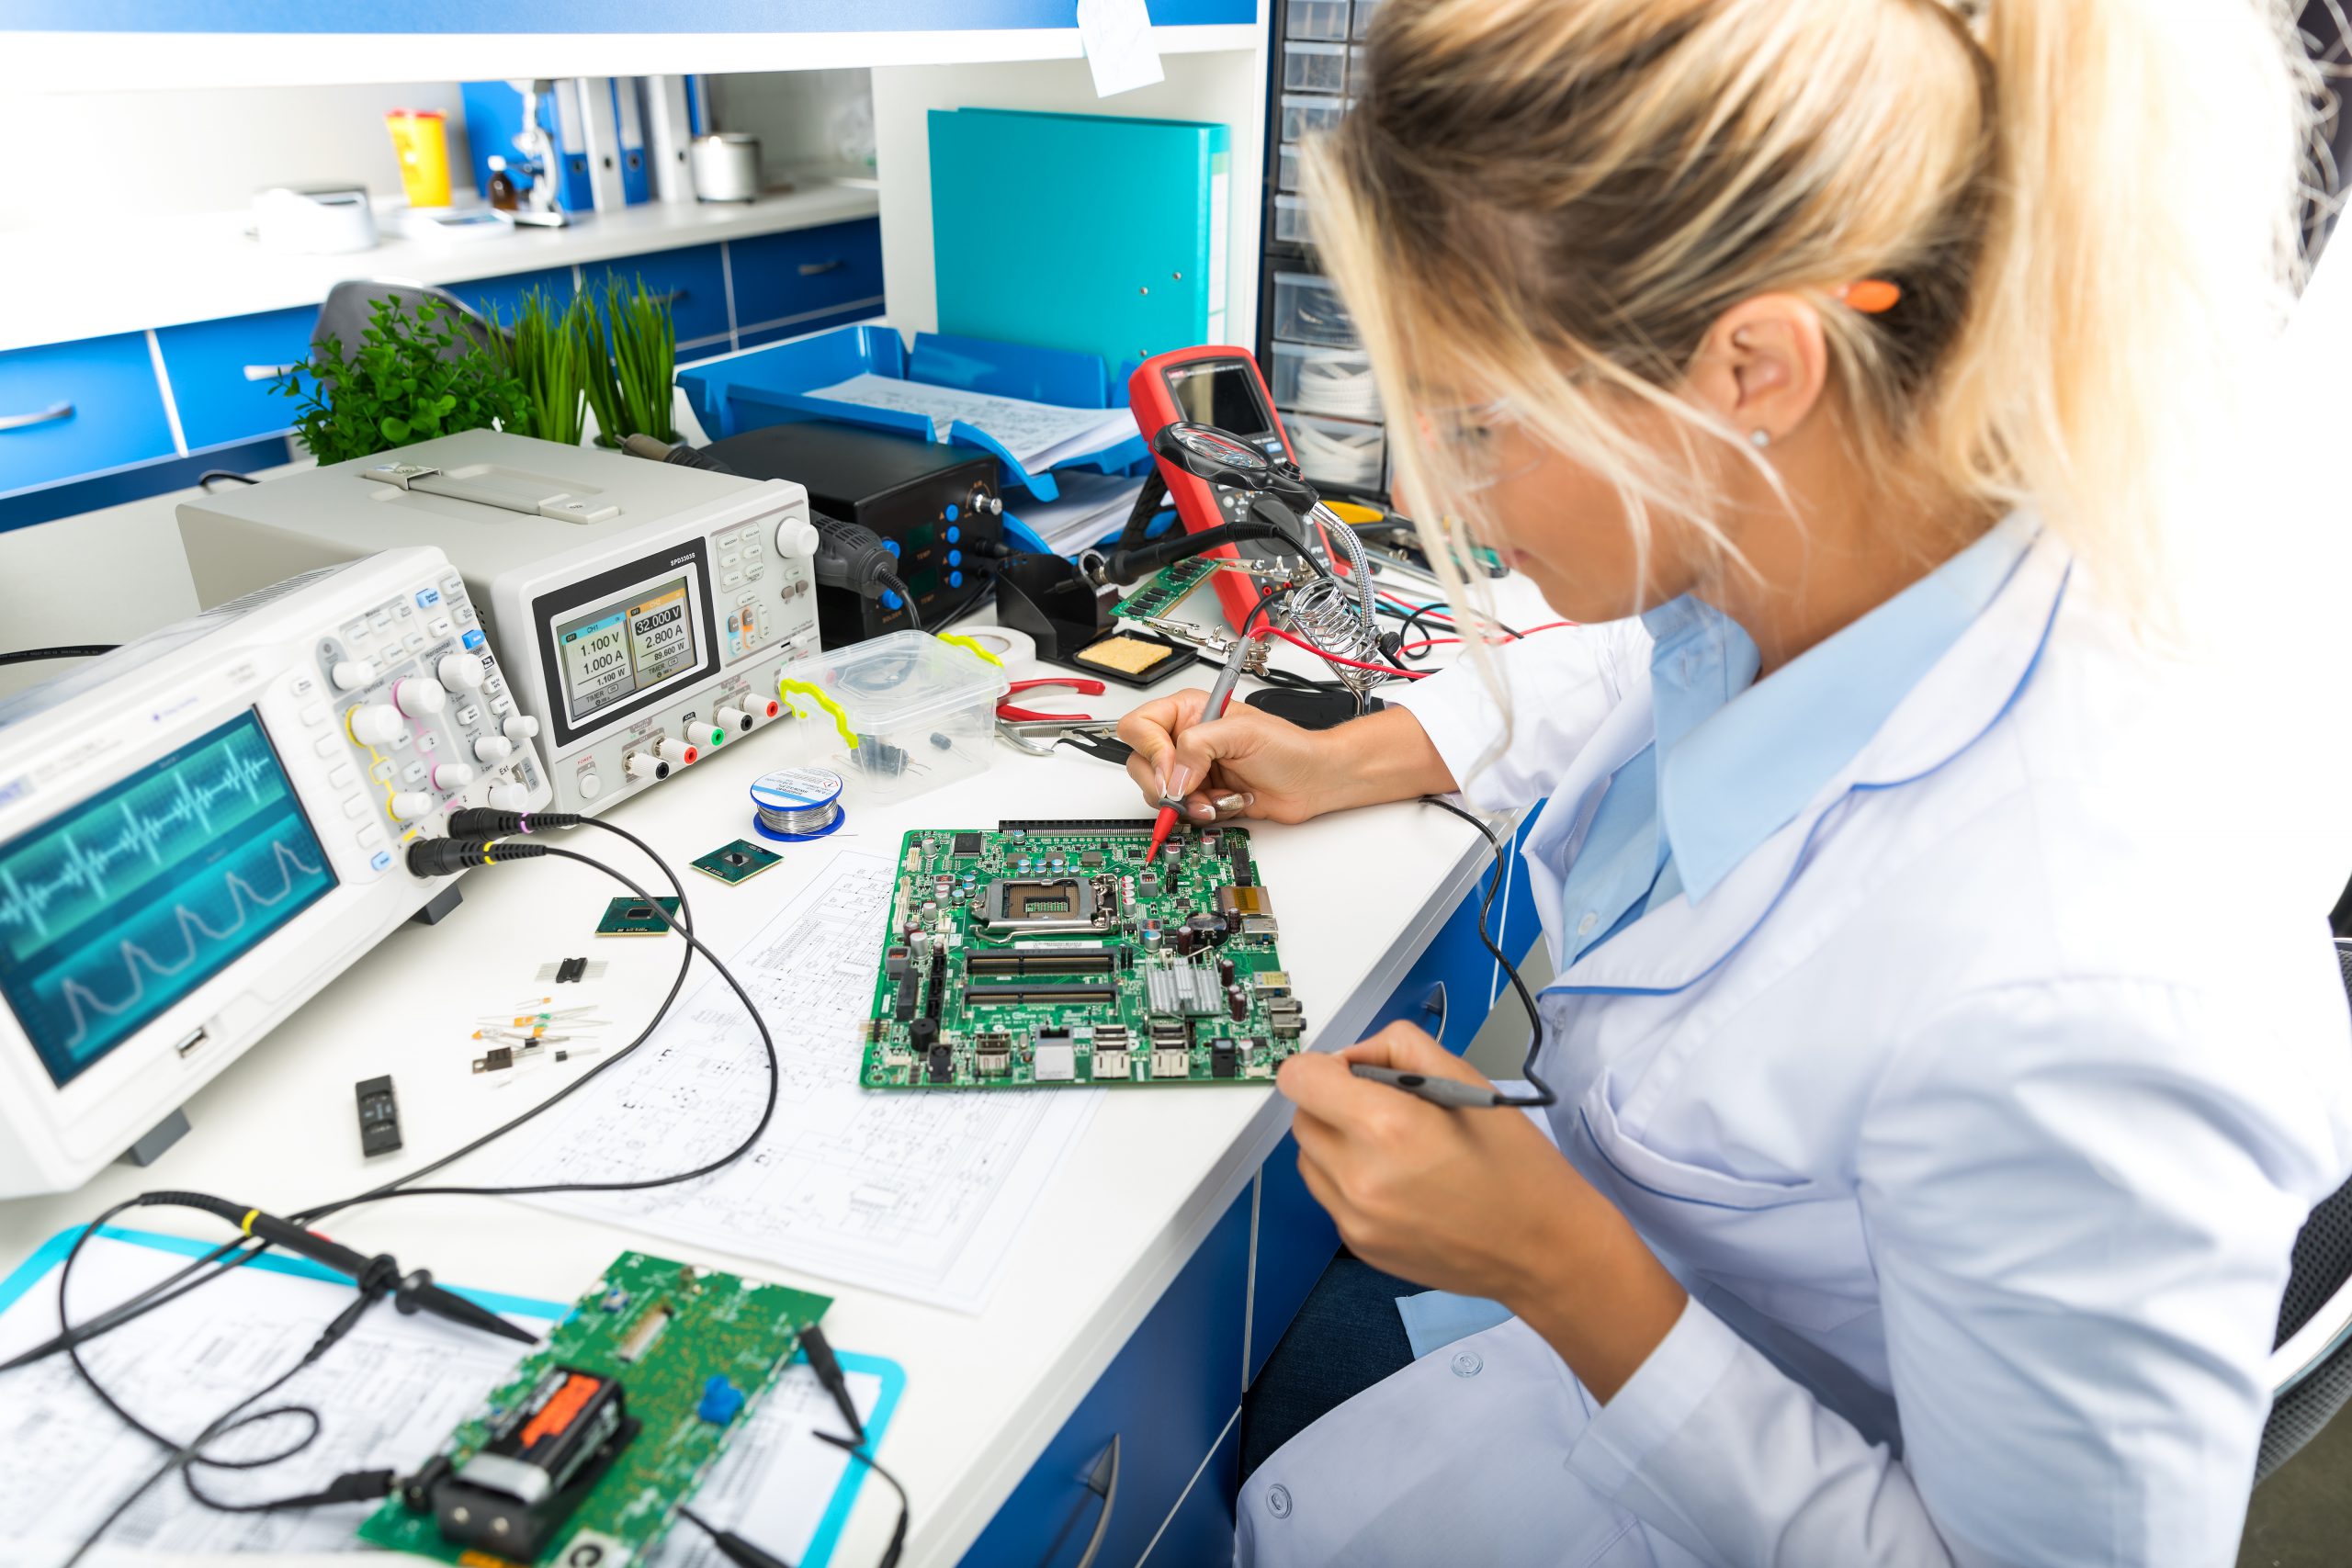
x: 919, y: 1195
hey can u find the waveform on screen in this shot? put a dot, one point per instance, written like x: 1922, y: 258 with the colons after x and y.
x: 140, y: 829
x: 138, y: 962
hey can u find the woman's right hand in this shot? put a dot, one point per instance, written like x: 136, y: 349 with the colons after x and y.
x: 1278, y: 772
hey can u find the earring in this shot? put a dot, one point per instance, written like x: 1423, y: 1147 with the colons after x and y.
x: 1759, y: 438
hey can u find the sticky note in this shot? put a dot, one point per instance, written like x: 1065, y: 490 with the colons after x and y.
x: 1116, y: 36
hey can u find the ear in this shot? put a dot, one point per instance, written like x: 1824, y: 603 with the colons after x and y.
x: 1764, y: 365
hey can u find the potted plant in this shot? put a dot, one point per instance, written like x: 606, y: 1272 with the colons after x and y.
x: 631, y: 361
x: 413, y: 377
x: 544, y: 350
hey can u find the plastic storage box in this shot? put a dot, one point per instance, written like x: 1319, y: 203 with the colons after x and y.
x: 923, y: 712
x: 1315, y: 379
x: 1305, y: 115
x: 1290, y: 219
x: 1288, y: 179
x: 1315, y: 19
x: 1364, y: 8
x: 1314, y: 67
x: 1307, y: 310
x: 1334, y: 452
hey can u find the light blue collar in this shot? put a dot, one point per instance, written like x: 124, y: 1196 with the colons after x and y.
x: 1740, y: 758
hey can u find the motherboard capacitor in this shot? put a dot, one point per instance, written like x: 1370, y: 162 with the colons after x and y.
x: 1224, y: 970
x: 1237, y: 1001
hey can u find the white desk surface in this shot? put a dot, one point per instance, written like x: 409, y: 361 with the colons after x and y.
x: 1359, y: 896
x: 127, y: 274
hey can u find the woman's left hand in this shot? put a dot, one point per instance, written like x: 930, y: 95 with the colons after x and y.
x: 1463, y: 1201
x: 1479, y: 1203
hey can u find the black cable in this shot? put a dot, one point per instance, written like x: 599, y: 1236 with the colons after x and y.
x: 204, y: 480
x: 891, y: 580
x: 173, y: 1287
x: 1543, y: 1095
x: 857, y: 1451
x: 232, y: 1419
x: 34, y: 655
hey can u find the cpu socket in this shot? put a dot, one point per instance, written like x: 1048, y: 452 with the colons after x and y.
x: 1040, y: 904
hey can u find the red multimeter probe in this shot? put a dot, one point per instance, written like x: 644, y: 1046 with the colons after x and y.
x: 1220, y: 385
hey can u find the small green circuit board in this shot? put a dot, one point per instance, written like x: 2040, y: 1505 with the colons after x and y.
x: 737, y: 862
x: 635, y: 917
x: 1164, y: 589
x: 662, y: 1331
x: 1048, y: 953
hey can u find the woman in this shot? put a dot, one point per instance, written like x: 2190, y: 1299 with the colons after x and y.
x: 1939, y: 1087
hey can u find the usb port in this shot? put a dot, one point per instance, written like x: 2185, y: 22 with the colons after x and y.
x: 191, y: 1043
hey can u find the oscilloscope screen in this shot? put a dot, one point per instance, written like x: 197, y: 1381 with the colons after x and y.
x: 116, y: 910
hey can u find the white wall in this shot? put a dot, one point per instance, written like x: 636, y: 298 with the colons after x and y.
x: 820, y: 120
x: 76, y: 156
x: 1227, y: 86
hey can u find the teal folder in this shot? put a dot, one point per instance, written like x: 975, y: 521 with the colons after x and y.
x: 1088, y: 232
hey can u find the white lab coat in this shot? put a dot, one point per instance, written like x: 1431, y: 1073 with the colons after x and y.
x: 1977, y: 1109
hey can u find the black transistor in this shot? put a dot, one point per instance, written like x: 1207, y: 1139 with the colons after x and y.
x: 380, y: 1116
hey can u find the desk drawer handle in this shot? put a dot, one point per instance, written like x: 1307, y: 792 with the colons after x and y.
x: 1435, y: 1003
x: 1104, y: 1483
x: 265, y: 372
x: 671, y: 298
x: 810, y: 269
x: 48, y: 415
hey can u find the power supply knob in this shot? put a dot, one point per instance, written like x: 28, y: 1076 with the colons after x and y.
x: 378, y: 724
x: 418, y: 697
x: 797, y: 536
x: 452, y: 775
x: 520, y: 727
x: 735, y: 718
x: 493, y: 748
x: 410, y: 804
x: 350, y: 674
x: 460, y: 672
x: 645, y: 765
x: 677, y: 752
x: 515, y: 797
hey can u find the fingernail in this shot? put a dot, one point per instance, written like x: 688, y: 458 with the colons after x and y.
x: 1179, y: 779
x: 1202, y: 810
x: 1235, y: 802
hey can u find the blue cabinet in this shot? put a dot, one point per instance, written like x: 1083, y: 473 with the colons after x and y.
x: 1295, y: 1240
x: 694, y: 281
x: 1200, y: 1532
x: 224, y: 373
x: 79, y: 408
x: 501, y: 297
x: 810, y: 272
x: 1121, y: 1462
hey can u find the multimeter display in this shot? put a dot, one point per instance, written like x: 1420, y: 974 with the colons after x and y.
x: 1223, y: 393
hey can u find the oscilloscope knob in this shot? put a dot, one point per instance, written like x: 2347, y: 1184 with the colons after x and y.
x: 350, y: 674
x: 410, y: 804
x: 418, y: 697
x: 375, y: 724
x: 460, y: 671
x: 493, y: 748
x: 452, y: 775
x: 520, y: 727
x: 509, y: 797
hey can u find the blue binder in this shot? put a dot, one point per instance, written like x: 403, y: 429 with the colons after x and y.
x: 1126, y: 256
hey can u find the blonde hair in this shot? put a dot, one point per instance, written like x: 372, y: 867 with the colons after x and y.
x: 2090, y: 207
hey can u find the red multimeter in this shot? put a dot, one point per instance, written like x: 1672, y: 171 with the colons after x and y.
x: 1218, y: 386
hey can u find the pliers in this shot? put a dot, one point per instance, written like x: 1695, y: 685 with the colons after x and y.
x: 1083, y: 685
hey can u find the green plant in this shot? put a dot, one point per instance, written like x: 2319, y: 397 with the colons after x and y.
x: 632, y: 357
x: 413, y: 377
x: 544, y: 351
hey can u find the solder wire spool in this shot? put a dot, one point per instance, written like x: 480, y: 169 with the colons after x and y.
x: 794, y: 804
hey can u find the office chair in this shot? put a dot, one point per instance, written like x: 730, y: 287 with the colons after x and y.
x: 352, y: 303
x: 2311, y: 1360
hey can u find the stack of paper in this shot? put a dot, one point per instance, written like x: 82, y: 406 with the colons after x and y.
x: 1037, y: 435
x: 1091, y: 506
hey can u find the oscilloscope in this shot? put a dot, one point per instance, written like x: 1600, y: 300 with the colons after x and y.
x: 202, y: 828
x: 639, y: 614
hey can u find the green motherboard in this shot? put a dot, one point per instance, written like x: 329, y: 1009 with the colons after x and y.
x: 585, y: 1453
x: 1048, y: 953
x: 1163, y: 590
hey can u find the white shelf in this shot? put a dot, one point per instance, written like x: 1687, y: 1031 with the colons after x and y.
x: 141, y: 273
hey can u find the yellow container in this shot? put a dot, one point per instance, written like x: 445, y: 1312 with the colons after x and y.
x: 420, y: 138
